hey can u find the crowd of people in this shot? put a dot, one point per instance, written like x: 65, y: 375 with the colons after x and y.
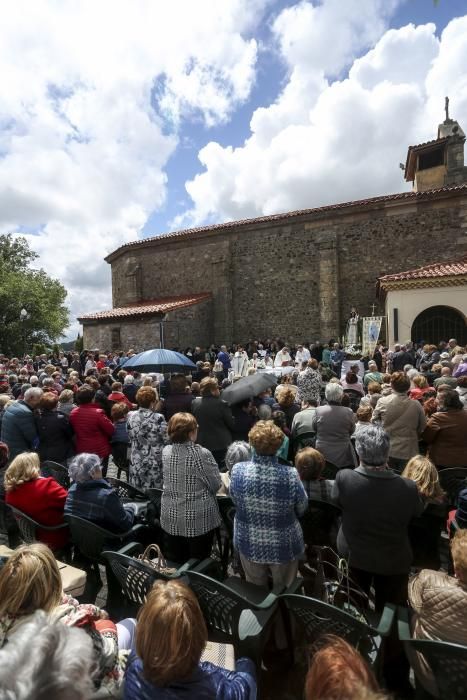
x: 371, y: 436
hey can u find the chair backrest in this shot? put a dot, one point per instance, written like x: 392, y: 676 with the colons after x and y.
x: 221, y: 606
x: 448, y: 662
x: 318, y: 522
x: 330, y: 470
x: 4, y: 510
x: 135, y: 577
x: 119, y: 454
x: 452, y: 480
x: 317, y: 619
x: 126, y: 490
x: 56, y: 471
x: 227, y: 511
x: 89, y: 537
x: 354, y: 398
x: 155, y: 496
x: 449, y: 665
x: 27, y: 526
x: 304, y: 440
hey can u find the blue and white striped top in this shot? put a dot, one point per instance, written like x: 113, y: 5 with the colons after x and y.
x: 269, y: 498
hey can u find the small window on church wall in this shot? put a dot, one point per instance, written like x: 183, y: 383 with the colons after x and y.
x: 115, y: 339
x: 431, y: 159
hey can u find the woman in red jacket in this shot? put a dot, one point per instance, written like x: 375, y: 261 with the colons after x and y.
x: 41, y: 498
x: 93, y: 429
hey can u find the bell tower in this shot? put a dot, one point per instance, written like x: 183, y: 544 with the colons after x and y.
x: 440, y: 162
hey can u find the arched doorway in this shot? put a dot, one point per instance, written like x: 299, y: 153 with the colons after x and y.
x: 439, y: 323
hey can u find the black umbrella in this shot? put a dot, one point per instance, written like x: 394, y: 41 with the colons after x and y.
x: 246, y: 387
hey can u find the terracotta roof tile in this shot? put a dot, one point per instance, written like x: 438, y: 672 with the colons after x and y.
x: 451, y: 268
x: 185, y: 233
x: 433, y: 142
x: 146, y: 308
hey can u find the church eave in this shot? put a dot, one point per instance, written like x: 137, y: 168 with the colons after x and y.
x: 382, y: 288
x: 319, y: 213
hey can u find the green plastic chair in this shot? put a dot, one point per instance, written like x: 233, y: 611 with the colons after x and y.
x: 28, y: 531
x: 125, y: 491
x: 136, y: 577
x: 315, y: 619
x: 448, y: 662
x: 320, y: 523
x: 91, y: 540
x: 330, y: 470
x: 56, y: 471
x: 236, y: 612
x: 452, y: 480
x: 224, y: 535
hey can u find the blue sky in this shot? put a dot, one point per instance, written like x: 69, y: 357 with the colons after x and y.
x: 122, y: 119
x: 184, y: 163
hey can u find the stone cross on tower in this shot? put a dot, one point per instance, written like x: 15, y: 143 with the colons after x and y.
x: 446, y: 107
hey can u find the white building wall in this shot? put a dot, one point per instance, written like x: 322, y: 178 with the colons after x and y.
x: 411, y: 302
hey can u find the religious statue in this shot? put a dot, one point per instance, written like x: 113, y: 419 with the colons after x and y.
x: 351, y: 333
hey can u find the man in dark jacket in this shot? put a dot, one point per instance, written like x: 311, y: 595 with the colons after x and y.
x: 54, y: 431
x: 377, y: 506
x: 18, y: 425
x: 178, y: 400
x: 401, y: 358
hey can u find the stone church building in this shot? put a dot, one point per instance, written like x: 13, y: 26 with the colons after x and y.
x: 297, y: 275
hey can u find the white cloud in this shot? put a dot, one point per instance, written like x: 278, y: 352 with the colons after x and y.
x: 91, y: 97
x: 325, y: 37
x: 328, y: 139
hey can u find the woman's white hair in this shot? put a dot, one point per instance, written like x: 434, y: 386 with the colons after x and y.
x: 238, y: 451
x: 334, y: 392
x: 47, y: 661
x: 372, y: 445
x: 33, y: 393
x: 84, y: 466
x: 264, y: 411
x: 129, y: 379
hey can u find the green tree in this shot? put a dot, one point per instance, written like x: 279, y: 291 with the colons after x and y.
x: 79, y: 343
x: 22, y: 287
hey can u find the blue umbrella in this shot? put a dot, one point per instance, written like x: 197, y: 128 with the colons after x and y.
x: 159, y: 360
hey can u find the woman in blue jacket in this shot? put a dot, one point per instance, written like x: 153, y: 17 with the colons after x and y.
x: 170, y: 637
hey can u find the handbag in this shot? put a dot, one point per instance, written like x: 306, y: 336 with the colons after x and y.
x: 159, y: 562
x: 137, y: 582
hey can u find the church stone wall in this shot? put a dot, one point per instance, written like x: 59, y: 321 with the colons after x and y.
x: 181, y: 329
x: 296, y: 278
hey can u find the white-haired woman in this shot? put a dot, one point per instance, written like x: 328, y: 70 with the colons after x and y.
x: 91, y: 497
x: 333, y: 425
x: 129, y: 388
x: 62, y: 665
x: 238, y: 451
